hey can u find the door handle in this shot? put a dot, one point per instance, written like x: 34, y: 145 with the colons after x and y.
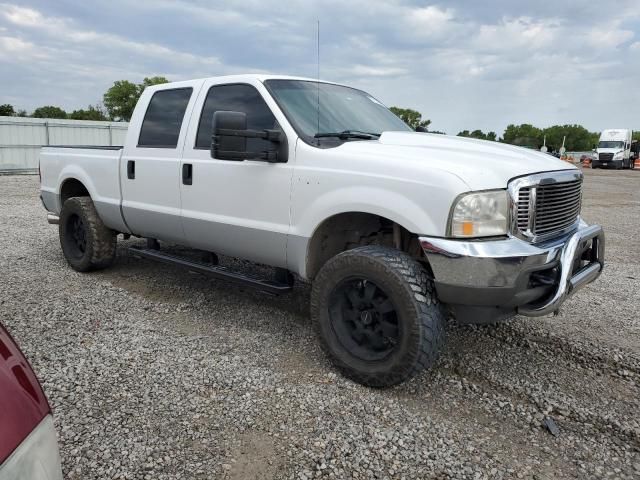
x: 131, y: 169
x: 187, y: 173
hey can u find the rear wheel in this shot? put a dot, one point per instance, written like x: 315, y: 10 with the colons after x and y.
x: 86, y: 242
x: 377, y: 315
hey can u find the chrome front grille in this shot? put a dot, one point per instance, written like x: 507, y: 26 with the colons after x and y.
x: 523, y: 208
x: 545, y: 204
x: 557, y: 206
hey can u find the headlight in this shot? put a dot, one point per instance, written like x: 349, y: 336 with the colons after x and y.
x: 480, y: 214
x: 618, y: 155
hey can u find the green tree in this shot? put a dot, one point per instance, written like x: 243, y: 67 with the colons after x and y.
x: 121, y: 98
x: 577, y: 139
x: 413, y: 118
x: 149, y: 81
x: 478, y: 134
x: 49, y: 111
x: 7, y: 110
x: 525, y: 135
x: 91, y: 113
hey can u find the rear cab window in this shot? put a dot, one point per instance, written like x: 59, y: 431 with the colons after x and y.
x: 163, y: 119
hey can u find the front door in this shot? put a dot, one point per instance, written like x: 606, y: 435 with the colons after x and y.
x: 236, y: 208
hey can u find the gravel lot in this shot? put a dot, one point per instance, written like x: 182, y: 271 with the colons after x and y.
x: 154, y: 372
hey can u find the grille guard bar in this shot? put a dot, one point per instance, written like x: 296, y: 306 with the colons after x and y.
x: 569, y: 281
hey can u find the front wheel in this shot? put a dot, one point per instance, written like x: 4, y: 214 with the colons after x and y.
x: 377, y: 315
x: 86, y: 242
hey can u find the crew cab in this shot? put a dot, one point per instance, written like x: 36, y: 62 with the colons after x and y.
x: 396, y: 229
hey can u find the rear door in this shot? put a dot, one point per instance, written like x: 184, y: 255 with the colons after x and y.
x: 150, y: 164
x: 238, y: 208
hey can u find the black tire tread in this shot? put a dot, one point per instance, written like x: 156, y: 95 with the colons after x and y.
x: 431, y: 312
x: 103, y: 239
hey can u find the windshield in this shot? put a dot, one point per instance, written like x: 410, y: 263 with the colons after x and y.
x: 610, y: 144
x: 341, y: 109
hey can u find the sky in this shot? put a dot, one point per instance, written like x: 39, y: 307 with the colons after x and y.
x: 464, y: 64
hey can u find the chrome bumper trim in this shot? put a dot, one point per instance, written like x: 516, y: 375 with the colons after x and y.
x: 500, y: 268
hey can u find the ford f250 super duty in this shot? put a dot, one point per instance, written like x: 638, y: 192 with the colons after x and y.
x: 395, y: 229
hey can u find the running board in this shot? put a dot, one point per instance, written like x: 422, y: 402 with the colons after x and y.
x: 215, y: 271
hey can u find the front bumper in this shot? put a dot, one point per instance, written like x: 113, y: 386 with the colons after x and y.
x: 607, y: 163
x: 500, y: 278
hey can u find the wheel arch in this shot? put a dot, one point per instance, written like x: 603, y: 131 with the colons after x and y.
x: 346, y: 230
x: 74, y: 180
x: 72, y: 187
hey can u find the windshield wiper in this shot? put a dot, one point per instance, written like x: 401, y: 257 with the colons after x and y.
x: 346, y: 134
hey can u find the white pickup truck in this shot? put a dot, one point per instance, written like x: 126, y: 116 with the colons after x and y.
x: 396, y: 229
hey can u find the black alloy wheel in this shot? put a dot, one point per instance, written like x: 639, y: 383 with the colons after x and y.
x: 364, y: 319
x: 76, y: 238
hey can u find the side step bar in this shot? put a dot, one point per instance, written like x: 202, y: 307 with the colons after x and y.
x: 215, y: 271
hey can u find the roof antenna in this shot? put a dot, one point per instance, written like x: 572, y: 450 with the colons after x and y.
x: 318, y: 75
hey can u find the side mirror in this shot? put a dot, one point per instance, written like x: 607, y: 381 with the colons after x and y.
x: 422, y: 130
x: 229, y: 139
x: 228, y: 147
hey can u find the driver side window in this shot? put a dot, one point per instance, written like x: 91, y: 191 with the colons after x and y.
x: 236, y: 98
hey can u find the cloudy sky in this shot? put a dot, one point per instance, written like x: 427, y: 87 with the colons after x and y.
x: 464, y: 64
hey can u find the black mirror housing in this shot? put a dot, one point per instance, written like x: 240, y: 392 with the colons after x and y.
x: 228, y: 147
x: 229, y: 139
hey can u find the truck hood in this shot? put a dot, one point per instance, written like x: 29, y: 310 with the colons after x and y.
x: 480, y: 164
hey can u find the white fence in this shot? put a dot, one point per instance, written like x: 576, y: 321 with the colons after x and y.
x: 21, y: 138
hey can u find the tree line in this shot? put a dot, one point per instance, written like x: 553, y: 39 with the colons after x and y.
x: 120, y: 99
x: 118, y: 103
x: 577, y: 138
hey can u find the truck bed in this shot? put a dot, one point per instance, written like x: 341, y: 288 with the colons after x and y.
x: 96, y: 167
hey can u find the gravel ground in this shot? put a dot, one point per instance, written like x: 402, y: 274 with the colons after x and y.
x: 153, y: 372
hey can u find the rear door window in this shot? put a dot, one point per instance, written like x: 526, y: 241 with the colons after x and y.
x: 163, y: 119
